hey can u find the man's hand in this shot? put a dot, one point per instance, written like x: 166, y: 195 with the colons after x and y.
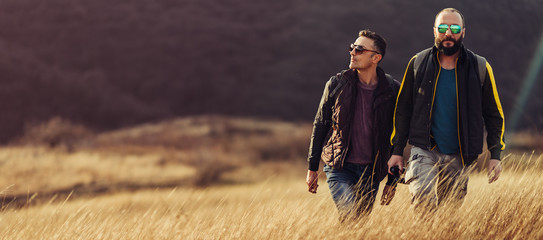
x: 494, y: 170
x: 311, y: 180
x: 388, y: 194
x: 395, y: 160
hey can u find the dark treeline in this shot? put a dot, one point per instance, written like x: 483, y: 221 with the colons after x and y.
x: 108, y: 64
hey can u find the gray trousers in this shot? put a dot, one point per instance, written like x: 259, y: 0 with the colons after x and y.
x: 436, y: 178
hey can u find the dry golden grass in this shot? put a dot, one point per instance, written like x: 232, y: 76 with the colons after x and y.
x: 143, y: 190
x: 281, y: 208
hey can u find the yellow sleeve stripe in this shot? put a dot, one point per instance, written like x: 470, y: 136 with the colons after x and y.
x: 398, y: 97
x: 498, y: 103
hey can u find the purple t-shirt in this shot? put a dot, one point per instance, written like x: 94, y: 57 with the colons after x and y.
x: 361, y: 136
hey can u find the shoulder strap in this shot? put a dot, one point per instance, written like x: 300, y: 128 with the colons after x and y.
x: 481, y: 63
x: 338, y: 81
x: 418, y: 60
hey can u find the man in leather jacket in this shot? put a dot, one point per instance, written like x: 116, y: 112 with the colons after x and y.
x: 352, y: 129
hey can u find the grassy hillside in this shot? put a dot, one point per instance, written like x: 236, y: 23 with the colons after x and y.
x: 54, y: 162
x: 109, y: 64
x: 214, y: 177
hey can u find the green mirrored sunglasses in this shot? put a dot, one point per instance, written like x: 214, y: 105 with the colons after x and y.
x: 442, y: 28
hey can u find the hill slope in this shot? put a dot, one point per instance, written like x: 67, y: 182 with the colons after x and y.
x: 108, y: 64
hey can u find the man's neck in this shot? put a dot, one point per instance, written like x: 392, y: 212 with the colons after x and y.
x: 368, y: 77
x: 448, y: 62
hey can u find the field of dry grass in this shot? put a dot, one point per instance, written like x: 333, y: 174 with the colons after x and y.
x: 144, y: 183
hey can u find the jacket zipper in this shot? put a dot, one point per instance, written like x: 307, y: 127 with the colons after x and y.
x: 351, y: 113
x: 458, y: 112
x: 432, y: 105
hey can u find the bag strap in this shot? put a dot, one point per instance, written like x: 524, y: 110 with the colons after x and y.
x: 418, y: 60
x: 481, y: 64
x: 338, y: 81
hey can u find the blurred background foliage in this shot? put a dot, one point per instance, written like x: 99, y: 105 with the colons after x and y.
x: 110, y: 64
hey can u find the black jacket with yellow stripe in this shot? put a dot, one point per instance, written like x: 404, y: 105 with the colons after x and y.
x: 478, y: 107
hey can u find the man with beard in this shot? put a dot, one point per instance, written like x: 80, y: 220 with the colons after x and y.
x: 443, y: 106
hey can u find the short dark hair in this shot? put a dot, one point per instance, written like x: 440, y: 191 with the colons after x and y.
x: 454, y: 10
x: 379, y: 42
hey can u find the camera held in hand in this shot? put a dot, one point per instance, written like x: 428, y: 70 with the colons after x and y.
x: 395, y: 178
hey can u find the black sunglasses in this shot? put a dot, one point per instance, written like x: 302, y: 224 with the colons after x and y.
x: 359, y: 49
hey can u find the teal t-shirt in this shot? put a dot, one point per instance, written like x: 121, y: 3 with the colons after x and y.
x: 444, y: 121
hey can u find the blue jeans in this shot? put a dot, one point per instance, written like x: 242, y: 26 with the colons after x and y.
x: 353, y: 189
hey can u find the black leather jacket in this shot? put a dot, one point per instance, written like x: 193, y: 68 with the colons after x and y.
x: 331, y: 130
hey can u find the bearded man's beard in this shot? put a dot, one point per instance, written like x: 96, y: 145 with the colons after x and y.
x: 449, y: 51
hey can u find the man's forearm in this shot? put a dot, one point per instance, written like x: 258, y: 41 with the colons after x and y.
x: 320, y: 130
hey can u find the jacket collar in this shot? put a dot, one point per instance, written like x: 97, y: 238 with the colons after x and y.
x: 382, y: 83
